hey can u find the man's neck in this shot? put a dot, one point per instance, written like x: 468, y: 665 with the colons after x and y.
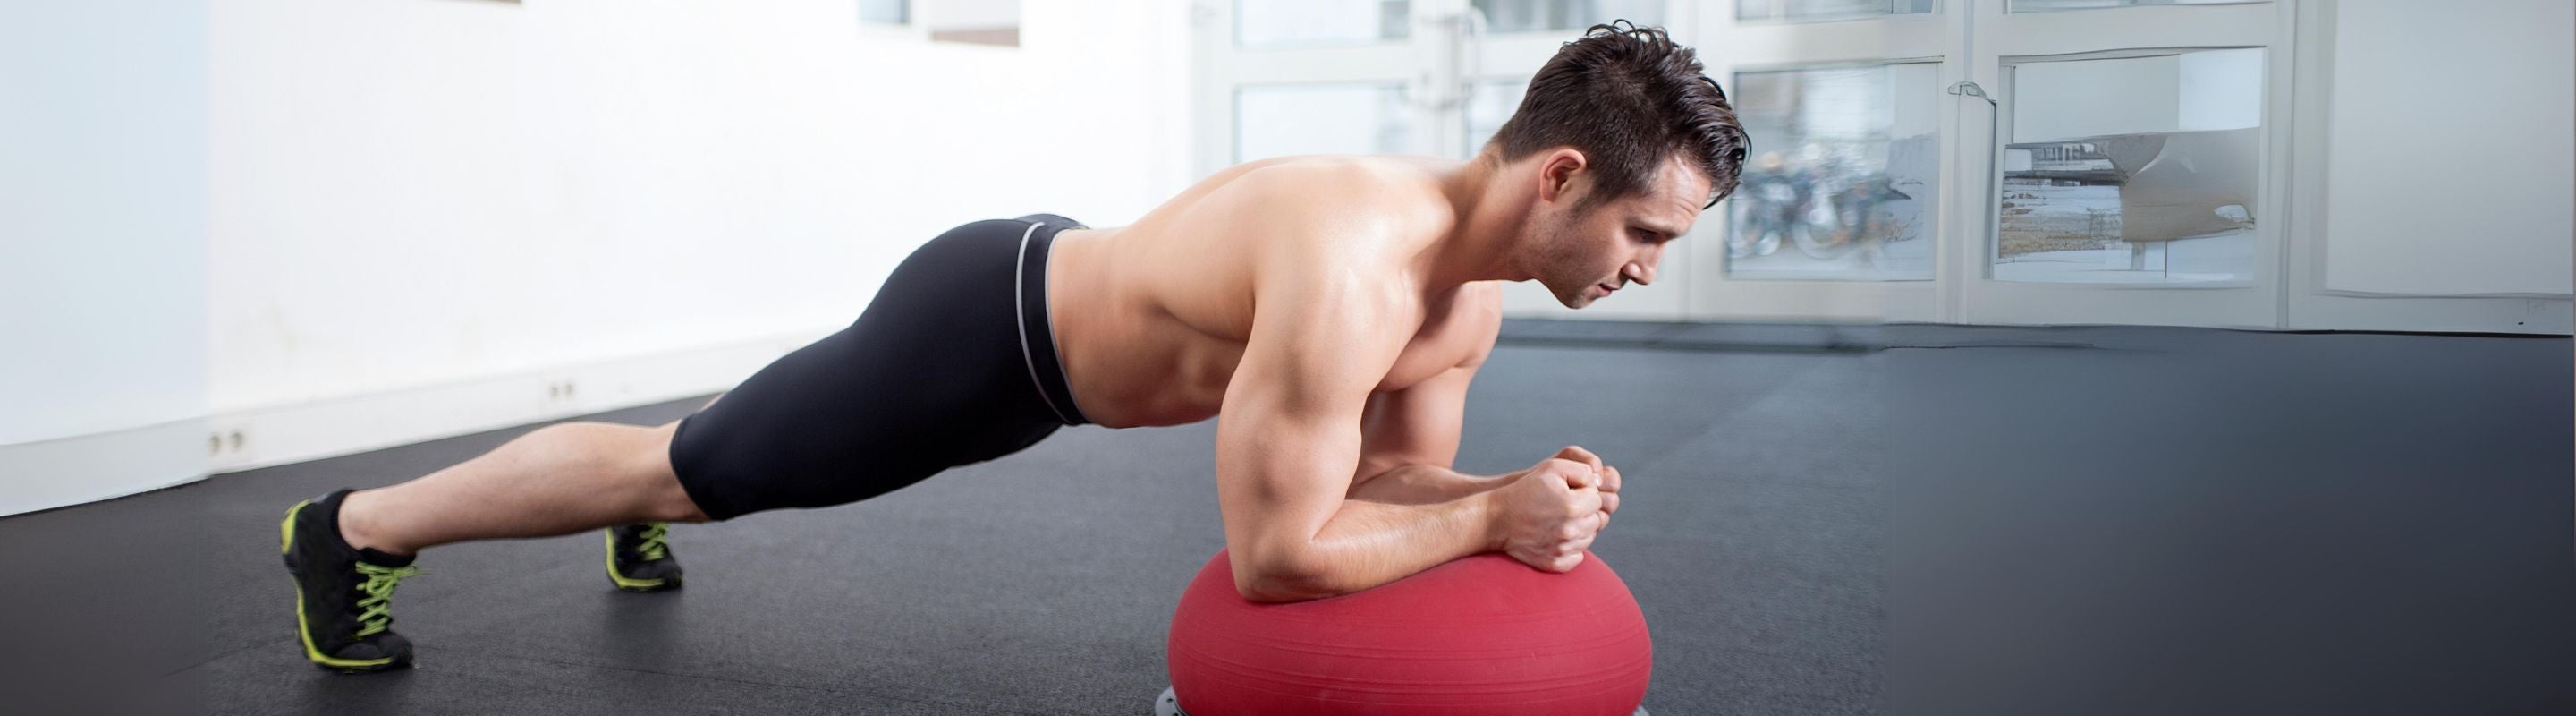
x: 1478, y: 246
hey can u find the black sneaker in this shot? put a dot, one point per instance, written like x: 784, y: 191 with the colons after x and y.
x: 639, y: 560
x: 342, y: 595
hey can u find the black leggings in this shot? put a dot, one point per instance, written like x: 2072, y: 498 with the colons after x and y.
x: 953, y: 363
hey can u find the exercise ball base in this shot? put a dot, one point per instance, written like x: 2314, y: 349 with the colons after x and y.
x: 1169, y: 704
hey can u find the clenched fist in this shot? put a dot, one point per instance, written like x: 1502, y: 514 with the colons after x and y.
x: 1551, y: 512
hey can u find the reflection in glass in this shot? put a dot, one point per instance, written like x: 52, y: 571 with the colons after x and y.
x: 1357, y: 118
x: 2053, y: 5
x: 1841, y: 180
x: 1271, y: 23
x: 2136, y: 169
x: 1489, y: 104
x: 1554, y: 15
x: 1823, y: 10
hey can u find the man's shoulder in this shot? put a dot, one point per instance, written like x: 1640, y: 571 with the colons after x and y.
x: 1349, y: 193
x: 1340, y: 226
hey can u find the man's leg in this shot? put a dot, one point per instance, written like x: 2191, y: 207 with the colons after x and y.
x: 556, y: 480
x: 348, y: 550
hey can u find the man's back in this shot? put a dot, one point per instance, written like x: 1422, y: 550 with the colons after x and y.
x: 1152, y: 318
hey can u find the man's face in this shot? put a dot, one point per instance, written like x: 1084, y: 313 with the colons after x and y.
x: 1583, y: 256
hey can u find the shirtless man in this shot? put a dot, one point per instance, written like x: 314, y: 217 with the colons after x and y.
x: 1328, y: 311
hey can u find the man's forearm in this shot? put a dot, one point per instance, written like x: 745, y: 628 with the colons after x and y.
x: 1423, y: 484
x: 1367, y: 544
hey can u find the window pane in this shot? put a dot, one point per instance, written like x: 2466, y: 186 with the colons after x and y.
x: 1267, y: 23
x: 1841, y: 180
x: 1489, y: 104
x: 1821, y: 10
x: 891, y: 12
x: 1557, y: 15
x: 2052, y: 5
x: 2132, y: 170
x: 1278, y: 120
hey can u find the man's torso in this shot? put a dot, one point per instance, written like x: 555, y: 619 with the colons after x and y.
x: 1151, y: 318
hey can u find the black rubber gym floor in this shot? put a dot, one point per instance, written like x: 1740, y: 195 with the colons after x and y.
x: 1910, y: 520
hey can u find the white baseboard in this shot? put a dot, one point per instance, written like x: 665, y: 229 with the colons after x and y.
x: 359, y: 423
x: 60, y: 472
x: 46, y: 474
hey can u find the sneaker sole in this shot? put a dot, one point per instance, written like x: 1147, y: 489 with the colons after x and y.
x: 660, y: 585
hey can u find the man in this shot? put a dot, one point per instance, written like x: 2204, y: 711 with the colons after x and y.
x: 1328, y: 311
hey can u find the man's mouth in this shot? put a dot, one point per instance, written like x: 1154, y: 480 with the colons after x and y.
x: 1606, y: 289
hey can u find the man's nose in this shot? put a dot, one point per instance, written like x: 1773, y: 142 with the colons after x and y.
x: 1643, y: 271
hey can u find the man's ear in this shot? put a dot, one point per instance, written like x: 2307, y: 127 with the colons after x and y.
x: 1556, y: 173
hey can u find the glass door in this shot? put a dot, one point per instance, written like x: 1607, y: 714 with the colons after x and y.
x: 1839, y: 214
x: 2132, y: 165
x: 1306, y: 77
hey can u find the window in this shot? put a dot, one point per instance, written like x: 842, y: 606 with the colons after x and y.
x: 1841, y: 178
x: 1322, y: 118
x: 2131, y: 169
x: 1561, y: 15
x: 2054, y: 5
x: 1826, y: 10
x: 1489, y: 104
x: 1296, y: 23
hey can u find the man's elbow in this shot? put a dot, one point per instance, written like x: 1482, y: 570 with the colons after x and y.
x: 1281, y: 581
x: 1275, y: 589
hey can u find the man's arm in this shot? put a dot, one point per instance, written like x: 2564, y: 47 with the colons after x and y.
x: 1410, y: 436
x: 1410, y: 439
x: 1423, y: 484
x: 1289, y: 439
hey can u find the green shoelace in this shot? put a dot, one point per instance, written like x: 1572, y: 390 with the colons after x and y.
x: 650, y: 544
x: 375, y: 609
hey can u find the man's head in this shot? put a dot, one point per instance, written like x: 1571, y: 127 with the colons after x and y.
x: 1627, y: 142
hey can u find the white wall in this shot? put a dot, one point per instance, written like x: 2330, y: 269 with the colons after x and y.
x: 967, y: 14
x: 415, y: 192
x: 102, y: 249
x: 2450, y: 148
x: 391, y: 220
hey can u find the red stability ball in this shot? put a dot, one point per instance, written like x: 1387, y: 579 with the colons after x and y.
x: 1481, y: 636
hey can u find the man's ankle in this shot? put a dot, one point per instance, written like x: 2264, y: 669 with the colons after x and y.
x: 357, y: 528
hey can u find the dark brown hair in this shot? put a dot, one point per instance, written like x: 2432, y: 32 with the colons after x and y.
x: 1628, y: 97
